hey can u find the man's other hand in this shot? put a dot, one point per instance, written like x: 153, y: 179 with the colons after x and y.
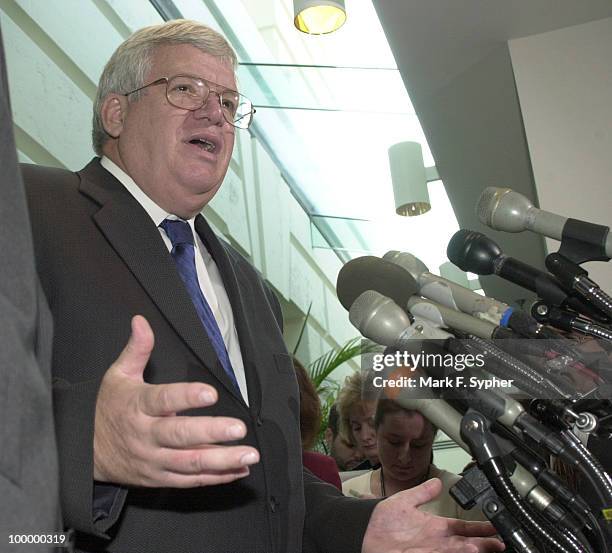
x: 139, y: 439
x: 397, y: 526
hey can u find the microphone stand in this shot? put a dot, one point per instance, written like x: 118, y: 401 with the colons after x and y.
x: 476, y: 432
x: 474, y: 489
x: 559, y: 318
x: 574, y: 278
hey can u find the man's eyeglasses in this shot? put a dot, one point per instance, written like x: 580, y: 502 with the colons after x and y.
x: 191, y: 93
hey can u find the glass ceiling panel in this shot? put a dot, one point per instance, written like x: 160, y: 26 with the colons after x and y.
x: 347, y: 46
x: 424, y: 236
x: 326, y: 88
x: 339, y: 159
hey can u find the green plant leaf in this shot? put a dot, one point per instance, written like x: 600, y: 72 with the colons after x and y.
x: 320, y: 369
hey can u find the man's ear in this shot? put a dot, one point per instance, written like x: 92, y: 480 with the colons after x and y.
x: 113, y: 113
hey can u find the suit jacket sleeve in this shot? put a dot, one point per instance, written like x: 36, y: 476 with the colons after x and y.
x: 73, y: 401
x: 333, y: 522
x: 327, y: 509
x: 74, y: 404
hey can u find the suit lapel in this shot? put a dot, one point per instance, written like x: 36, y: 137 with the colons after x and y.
x: 238, y: 289
x: 136, y: 239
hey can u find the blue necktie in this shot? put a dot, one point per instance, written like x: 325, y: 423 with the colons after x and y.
x: 183, y: 253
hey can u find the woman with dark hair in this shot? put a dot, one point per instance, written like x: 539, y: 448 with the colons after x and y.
x: 405, y: 448
x: 321, y: 465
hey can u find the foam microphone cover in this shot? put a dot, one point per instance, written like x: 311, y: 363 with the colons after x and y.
x: 373, y: 273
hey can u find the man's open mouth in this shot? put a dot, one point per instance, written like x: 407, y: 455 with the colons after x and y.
x: 204, y: 144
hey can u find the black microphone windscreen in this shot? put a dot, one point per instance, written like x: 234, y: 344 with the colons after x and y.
x: 473, y: 252
x: 373, y: 273
x: 455, y: 251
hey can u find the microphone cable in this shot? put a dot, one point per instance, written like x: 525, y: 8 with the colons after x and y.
x: 594, y: 472
x: 527, y: 378
x: 475, y: 432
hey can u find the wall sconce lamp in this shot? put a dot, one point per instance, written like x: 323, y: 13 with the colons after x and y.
x: 318, y: 17
x: 409, y: 179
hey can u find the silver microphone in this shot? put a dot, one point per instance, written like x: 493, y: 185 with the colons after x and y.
x: 507, y: 210
x: 380, y: 319
x: 446, y: 292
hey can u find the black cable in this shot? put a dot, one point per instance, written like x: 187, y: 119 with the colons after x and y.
x: 597, y: 533
x: 540, y: 530
x: 591, y: 468
x: 527, y: 379
x: 579, y: 539
x: 486, y: 448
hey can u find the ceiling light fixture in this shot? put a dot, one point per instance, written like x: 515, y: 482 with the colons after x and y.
x: 318, y: 17
x: 409, y: 179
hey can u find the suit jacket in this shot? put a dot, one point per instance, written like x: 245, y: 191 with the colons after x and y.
x: 101, y: 261
x: 28, y: 458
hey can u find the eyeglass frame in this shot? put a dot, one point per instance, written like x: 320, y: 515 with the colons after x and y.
x: 167, y: 80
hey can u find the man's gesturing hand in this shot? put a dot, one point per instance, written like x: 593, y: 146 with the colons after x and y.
x: 139, y: 440
x: 397, y: 526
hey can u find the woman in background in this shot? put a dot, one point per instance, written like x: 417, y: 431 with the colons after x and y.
x: 405, y: 448
x: 320, y: 465
x: 357, y: 406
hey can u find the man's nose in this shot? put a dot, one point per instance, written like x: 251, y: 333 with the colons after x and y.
x: 211, y: 109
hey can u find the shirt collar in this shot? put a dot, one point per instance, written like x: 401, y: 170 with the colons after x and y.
x: 157, y: 214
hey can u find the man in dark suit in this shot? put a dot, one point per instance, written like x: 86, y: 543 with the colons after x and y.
x: 123, y: 239
x: 29, y: 499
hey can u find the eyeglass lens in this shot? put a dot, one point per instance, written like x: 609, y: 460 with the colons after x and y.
x: 190, y: 93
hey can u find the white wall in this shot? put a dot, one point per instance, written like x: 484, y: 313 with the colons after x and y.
x: 564, y: 82
x: 55, y: 53
x: 451, y: 459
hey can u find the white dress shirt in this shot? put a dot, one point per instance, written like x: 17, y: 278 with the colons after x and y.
x: 209, y: 277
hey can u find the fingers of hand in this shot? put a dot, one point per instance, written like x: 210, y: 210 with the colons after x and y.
x: 159, y: 400
x: 194, y: 432
x: 490, y: 545
x: 478, y: 545
x: 469, y: 528
x: 423, y: 493
x: 473, y: 545
x: 209, y: 460
x: 174, y: 480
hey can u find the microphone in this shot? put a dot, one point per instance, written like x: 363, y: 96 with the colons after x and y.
x: 445, y: 417
x: 446, y: 292
x: 372, y: 273
x: 473, y: 251
x: 450, y: 318
x: 507, y: 210
x: 455, y: 296
x: 436, y: 410
x: 381, y: 320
